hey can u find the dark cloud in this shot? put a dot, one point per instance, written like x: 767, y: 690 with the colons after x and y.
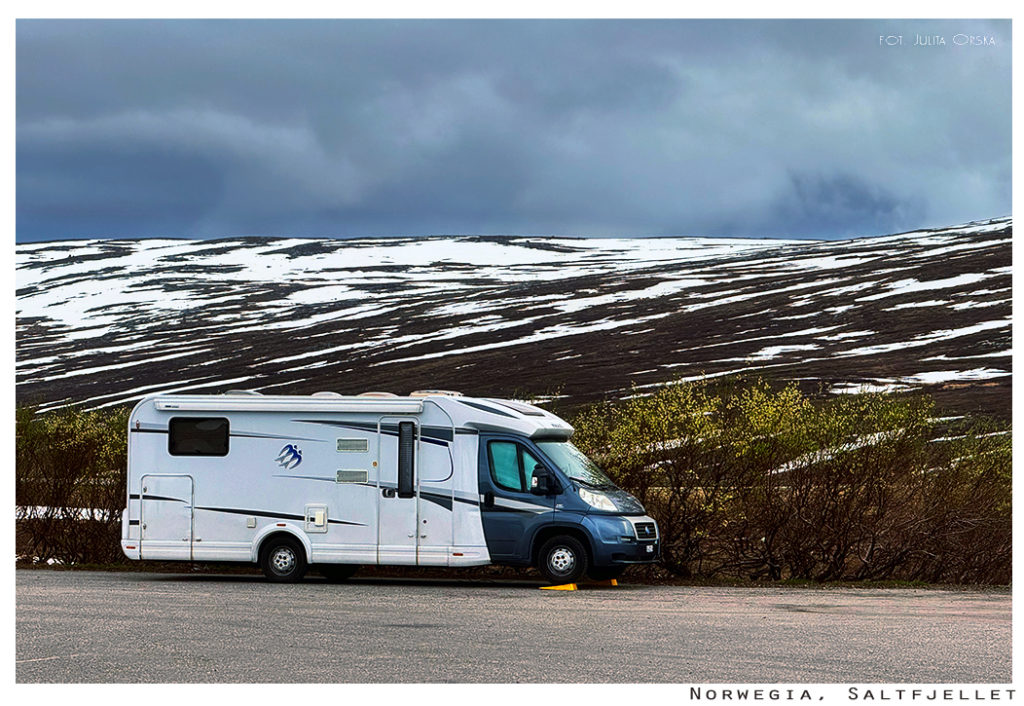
x: 216, y: 128
x: 830, y: 203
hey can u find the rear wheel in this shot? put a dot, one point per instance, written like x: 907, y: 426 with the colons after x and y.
x: 337, y: 572
x: 605, y: 573
x: 283, y: 559
x: 562, y: 559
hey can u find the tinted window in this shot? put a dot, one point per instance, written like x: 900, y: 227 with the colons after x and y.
x: 511, y: 465
x: 505, y: 465
x: 529, y: 463
x: 198, y: 436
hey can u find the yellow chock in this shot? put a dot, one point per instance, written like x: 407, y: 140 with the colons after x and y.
x: 563, y: 587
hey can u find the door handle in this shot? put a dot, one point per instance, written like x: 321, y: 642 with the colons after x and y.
x: 388, y: 492
x: 488, y: 499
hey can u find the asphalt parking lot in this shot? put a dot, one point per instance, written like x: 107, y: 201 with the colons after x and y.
x: 77, y: 626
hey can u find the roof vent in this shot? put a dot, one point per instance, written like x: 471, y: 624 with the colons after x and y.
x: 374, y: 393
x: 327, y: 394
x: 435, y: 393
x: 243, y: 392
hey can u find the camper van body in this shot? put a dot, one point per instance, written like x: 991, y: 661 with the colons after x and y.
x: 336, y: 482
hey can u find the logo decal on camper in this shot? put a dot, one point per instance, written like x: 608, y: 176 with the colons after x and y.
x: 290, y: 457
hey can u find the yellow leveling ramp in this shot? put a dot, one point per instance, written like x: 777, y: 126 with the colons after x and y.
x: 574, y: 587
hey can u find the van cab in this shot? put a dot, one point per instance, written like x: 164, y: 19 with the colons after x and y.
x: 545, y: 504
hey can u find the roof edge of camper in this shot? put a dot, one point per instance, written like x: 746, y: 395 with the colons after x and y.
x: 551, y: 432
x: 267, y: 403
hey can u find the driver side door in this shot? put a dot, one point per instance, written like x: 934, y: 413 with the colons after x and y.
x: 509, y: 510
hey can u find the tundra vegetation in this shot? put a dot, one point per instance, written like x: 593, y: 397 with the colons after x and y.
x: 751, y: 481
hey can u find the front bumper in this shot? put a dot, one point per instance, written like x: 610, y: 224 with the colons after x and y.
x: 618, y: 540
x: 639, y: 553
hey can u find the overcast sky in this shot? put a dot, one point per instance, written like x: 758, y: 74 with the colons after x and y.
x: 364, y: 128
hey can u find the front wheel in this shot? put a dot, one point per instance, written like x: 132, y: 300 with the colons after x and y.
x: 283, y: 560
x: 562, y: 559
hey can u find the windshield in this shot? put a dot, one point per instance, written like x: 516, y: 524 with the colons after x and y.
x: 575, y: 464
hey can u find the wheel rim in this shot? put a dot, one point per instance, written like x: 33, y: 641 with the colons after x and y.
x: 562, y: 560
x: 283, y: 560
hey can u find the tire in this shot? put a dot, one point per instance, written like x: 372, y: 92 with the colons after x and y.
x: 283, y: 559
x: 336, y: 573
x: 605, y: 573
x: 562, y: 559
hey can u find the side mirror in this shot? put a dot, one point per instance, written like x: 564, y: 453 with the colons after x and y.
x: 542, y: 483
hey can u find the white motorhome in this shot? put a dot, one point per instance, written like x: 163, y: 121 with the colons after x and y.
x: 333, y: 482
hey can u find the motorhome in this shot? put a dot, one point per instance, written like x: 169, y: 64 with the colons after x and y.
x: 333, y: 482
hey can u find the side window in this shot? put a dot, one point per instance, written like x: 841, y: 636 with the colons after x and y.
x: 198, y: 436
x: 511, y: 465
x: 505, y: 464
x: 529, y: 463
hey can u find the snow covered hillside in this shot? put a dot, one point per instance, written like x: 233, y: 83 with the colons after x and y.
x: 104, y: 322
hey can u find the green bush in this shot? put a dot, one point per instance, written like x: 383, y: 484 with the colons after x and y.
x: 764, y: 483
x: 70, y: 485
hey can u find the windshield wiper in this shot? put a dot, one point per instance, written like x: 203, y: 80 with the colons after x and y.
x: 598, y: 486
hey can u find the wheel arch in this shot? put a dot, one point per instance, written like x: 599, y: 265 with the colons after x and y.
x: 260, y: 540
x: 548, y: 531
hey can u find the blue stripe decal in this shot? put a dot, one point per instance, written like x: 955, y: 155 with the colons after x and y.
x: 485, y: 408
x: 440, y: 436
x: 274, y: 515
x: 327, y: 479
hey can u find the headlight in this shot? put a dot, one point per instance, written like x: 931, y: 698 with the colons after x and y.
x: 597, y: 500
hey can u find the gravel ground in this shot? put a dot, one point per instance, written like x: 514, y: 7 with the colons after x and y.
x: 141, y: 627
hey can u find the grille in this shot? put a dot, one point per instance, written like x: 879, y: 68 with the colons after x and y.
x: 646, y: 530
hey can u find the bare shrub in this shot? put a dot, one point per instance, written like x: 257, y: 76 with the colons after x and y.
x: 70, y: 484
x: 765, y: 483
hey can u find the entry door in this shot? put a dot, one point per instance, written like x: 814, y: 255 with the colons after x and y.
x: 398, y: 517
x: 166, y: 517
